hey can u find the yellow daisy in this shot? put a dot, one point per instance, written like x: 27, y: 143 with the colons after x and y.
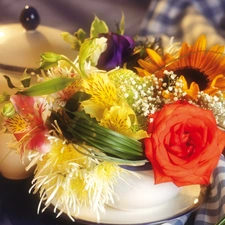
x: 196, y: 63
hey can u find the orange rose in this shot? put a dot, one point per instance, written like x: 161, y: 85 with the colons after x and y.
x: 185, y: 144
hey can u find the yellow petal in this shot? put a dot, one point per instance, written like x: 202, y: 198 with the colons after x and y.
x: 155, y: 57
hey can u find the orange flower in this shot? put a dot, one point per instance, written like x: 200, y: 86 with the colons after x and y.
x: 185, y: 144
x: 198, y: 65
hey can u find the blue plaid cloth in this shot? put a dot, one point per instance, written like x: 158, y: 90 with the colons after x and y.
x: 185, y: 20
x: 213, y: 209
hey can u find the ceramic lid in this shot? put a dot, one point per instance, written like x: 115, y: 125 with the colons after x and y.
x: 21, y: 44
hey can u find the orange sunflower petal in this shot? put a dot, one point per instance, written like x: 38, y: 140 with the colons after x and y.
x: 155, y: 57
x: 183, y: 59
x: 150, y: 67
x: 212, y: 59
x: 220, y: 84
x: 195, y: 63
x: 142, y: 72
x: 192, y: 91
x: 197, y: 52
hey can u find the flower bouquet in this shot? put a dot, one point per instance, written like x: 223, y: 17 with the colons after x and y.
x: 120, y: 104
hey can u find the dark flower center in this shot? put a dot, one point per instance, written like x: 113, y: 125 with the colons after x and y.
x: 194, y: 75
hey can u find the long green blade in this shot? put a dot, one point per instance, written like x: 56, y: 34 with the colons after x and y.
x: 47, y: 87
x: 110, y: 137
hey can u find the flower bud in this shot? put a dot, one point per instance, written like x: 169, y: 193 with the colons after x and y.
x: 101, y: 46
x: 8, y: 110
x: 4, y: 97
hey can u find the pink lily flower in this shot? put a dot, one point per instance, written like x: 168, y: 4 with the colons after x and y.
x: 28, y: 125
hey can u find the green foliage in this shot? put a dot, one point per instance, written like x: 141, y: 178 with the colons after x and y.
x: 221, y: 222
x: 86, y: 50
x: 121, y: 26
x: 97, y: 27
x: 47, y: 87
x: 83, y: 129
x: 49, y: 60
x: 8, y: 110
x: 25, y: 79
x: 75, y: 40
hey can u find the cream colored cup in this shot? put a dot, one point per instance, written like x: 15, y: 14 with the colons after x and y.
x: 11, y: 165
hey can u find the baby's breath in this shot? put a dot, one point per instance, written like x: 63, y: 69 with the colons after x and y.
x: 214, y: 103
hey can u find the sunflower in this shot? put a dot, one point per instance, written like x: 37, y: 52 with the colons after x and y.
x: 196, y: 64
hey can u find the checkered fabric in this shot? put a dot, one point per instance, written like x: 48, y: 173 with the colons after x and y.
x: 213, y: 210
x: 186, y: 20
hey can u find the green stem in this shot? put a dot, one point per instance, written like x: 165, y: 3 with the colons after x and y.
x: 73, y: 66
x: 221, y: 222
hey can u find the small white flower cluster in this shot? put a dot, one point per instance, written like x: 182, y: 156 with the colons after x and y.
x: 153, y: 96
x: 214, y: 103
x: 173, y: 86
x: 148, y: 97
x: 143, y: 94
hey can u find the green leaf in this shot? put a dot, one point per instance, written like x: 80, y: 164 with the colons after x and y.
x: 9, y: 82
x: 25, y: 79
x: 75, y: 40
x: 71, y: 39
x: 81, y: 129
x: 80, y: 35
x: 221, y: 222
x: 73, y: 103
x: 87, y: 48
x: 121, y: 25
x: 4, y: 97
x: 97, y: 27
x: 85, y: 129
x: 47, y: 87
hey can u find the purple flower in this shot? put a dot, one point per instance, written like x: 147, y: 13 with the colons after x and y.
x: 119, y: 48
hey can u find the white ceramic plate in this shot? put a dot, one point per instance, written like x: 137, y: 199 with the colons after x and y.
x: 187, y: 200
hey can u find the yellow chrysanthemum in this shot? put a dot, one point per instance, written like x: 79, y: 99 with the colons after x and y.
x: 195, y: 63
x: 69, y: 180
x: 100, y: 184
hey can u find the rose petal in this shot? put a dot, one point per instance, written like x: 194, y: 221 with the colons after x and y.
x: 184, y: 144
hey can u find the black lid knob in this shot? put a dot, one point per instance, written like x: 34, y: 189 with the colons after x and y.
x: 29, y: 18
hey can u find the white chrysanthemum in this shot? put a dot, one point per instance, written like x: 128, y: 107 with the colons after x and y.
x: 69, y: 180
